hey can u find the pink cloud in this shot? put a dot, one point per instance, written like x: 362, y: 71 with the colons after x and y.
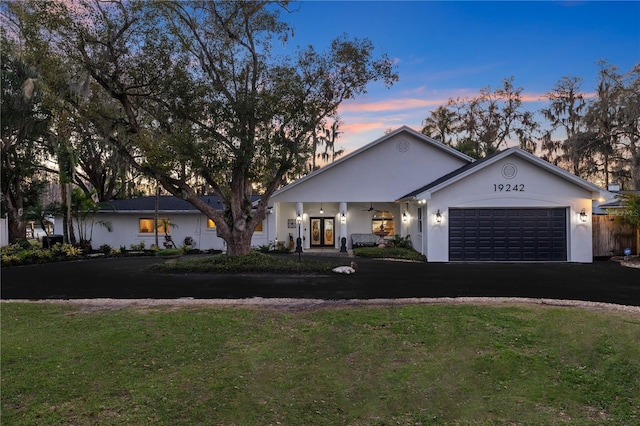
x: 361, y: 127
x: 412, y: 103
x: 390, y: 105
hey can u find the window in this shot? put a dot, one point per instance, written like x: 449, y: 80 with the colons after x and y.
x: 419, y: 219
x: 383, y: 219
x: 146, y: 226
x: 212, y: 225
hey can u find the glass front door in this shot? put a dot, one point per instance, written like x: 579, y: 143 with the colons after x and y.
x: 322, y: 232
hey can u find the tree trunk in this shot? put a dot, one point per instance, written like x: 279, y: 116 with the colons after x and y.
x: 72, y: 233
x: 65, y: 230
x: 155, y: 216
x: 239, y: 243
x: 15, y: 225
x: 635, y: 168
x: 237, y: 236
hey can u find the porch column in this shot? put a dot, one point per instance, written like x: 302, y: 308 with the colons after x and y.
x: 342, y: 218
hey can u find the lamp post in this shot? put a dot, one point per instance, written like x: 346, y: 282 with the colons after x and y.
x: 299, y: 239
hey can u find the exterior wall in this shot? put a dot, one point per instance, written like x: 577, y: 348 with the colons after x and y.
x: 378, y: 175
x: 382, y: 173
x: 411, y: 228
x: 541, y: 189
x: 126, y: 232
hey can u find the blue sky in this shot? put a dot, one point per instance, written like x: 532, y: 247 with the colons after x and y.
x: 446, y: 49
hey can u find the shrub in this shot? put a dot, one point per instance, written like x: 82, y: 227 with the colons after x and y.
x: 24, y: 244
x: 254, y: 262
x: 14, y: 254
x: 137, y: 247
x: 389, y: 253
x: 170, y: 252
x: 105, y: 248
x: 401, y: 242
x: 265, y: 248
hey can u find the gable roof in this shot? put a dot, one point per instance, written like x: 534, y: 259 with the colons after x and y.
x: 471, y: 168
x: 404, y: 129
x: 166, y: 203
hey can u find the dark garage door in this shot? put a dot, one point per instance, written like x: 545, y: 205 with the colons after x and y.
x: 508, y: 234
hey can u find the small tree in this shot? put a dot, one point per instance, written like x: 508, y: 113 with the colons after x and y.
x: 166, y: 224
x: 631, y: 213
x: 84, y: 212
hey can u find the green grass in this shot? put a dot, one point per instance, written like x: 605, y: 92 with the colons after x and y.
x: 407, y: 365
x: 389, y: 253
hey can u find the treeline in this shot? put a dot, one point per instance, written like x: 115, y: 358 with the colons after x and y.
x: 595, y: 136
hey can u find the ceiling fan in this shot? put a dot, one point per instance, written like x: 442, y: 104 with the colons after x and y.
x: 371, y: 209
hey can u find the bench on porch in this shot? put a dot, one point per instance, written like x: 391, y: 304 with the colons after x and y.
x: 364, y: 240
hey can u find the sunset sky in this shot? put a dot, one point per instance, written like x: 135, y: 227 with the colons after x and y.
x: 453, y: 49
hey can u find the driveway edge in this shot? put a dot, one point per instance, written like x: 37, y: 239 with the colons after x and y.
x: 307, y: 304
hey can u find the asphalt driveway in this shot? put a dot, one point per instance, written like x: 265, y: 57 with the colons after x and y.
x: 130, y: 278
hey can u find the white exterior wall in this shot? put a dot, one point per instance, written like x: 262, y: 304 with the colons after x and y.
x: 126, y: 231
x: 541, y: 189
x: 381, y: 173
x: 378, y: 175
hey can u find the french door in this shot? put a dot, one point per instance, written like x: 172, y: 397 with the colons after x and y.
x: 322, y: 232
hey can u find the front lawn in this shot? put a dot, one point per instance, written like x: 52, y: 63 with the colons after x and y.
x: 406, y: 365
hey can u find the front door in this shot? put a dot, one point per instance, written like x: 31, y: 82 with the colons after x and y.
x: 322, y: 232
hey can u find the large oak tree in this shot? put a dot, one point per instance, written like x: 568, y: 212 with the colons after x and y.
x: 201, y: 96
x: 486, y: 123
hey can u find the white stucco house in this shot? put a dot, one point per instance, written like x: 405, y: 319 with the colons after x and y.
x: 511, y: 206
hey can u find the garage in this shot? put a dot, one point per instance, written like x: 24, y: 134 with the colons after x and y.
x: 508, y: 234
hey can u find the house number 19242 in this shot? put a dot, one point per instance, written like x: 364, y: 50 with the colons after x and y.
x: 507, y: 187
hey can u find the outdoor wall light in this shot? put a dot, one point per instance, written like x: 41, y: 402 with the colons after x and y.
x: 405, y: 217
x: 583, y: 215
x: 321, y: 211
x: 343, y: 218
x: 299, y: 219
x: 438, y: 216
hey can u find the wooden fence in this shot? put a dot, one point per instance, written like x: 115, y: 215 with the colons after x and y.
x: 611, y: 237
